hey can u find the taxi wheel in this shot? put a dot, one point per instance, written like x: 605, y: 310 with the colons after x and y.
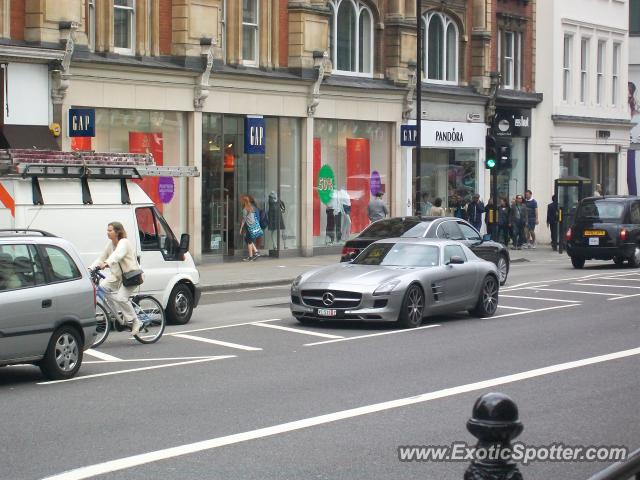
x: 619, y: 261
x: 634, y: 260
x: 577, y: 262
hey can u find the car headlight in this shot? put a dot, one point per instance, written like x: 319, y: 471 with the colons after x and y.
x: 296, y: 283
x: 386, y: 288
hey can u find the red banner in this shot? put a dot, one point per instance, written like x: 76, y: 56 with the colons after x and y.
x: 358, y: 172
x: 80, y: 143
x: 317, y: 161
x: 144, y: 142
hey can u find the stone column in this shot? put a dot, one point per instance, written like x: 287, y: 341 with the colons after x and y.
x: 623, y: 187
x: 194, y: 189
x: 104, y: 26
x: 410, y: 9
x: 306, y: 190
x: 481, y: 44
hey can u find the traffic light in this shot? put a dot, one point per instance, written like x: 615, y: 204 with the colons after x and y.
x: 491, y: 152
x: 504, y: 156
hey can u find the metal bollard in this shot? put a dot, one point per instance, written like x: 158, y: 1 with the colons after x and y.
x: 494, y: 422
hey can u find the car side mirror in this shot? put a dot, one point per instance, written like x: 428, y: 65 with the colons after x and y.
x: 455, y: 260
x: 486, y: 237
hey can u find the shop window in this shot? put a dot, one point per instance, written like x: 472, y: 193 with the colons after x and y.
x: 602, y: 46
x: 250, y: 32
x: 510, y: 59
x: 441, y: 48
x: 566, y: 67
x: 124, y: 26
x: 351, y: 37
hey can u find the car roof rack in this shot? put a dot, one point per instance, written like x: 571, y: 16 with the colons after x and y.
x: 84, y: 165
x: 26, y: 231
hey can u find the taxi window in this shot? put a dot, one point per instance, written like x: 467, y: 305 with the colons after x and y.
x: 635, y: 212
x: 601, y: 211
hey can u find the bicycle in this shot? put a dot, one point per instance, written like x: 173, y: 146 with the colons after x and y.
x: 148, y: 310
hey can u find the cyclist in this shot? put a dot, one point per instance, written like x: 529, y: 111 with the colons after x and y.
x: 119, y: 256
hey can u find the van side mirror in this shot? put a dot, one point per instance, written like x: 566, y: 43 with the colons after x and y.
x: 184, y: 244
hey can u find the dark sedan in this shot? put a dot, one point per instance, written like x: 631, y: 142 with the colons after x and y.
x: 448, y: 228
x: 605, y: 228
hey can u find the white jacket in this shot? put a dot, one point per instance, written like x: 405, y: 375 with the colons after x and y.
x: 121, y: 258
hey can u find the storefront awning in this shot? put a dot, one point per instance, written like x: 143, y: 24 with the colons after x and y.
x: 27, y: 136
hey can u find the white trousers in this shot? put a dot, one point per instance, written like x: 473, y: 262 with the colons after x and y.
x: 118, y: 299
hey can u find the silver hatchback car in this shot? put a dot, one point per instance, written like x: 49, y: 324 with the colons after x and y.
x: 47, y: 303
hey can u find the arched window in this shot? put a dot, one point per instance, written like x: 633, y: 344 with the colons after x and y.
x: 440, y: 49
x: 351, y: 37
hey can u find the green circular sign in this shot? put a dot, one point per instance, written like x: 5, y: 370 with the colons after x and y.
x: 326, y: 184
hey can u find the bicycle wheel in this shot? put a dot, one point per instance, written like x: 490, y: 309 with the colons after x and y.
x: 151, y: 315
x: 103, y: 326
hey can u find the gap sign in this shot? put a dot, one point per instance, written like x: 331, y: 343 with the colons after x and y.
x: 408, y: 135
x: 254, y: 135
x: 82, y: 122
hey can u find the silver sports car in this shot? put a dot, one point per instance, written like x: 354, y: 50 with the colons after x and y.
x: 398, y: 279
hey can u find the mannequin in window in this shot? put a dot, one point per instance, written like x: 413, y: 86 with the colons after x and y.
x: 334, y: 217
x: 275, y: 211
x: 345, y: 206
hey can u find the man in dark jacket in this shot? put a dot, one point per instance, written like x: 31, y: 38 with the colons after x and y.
x: 475, y: 209
x: 552, y: 221
x: 518, y: 217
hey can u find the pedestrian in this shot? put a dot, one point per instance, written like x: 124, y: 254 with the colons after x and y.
x: 503, y: 222
x: 437, y: 210
x: 598, y: 191
x: 475, y: 209
x: 426, y: 205
x: 552, y: 221
x: 250, y: 226
x: 532, y: 219
x: 517, y: 220
x: 490, y: 219
x: 377, y: 209
x: 458, y: 206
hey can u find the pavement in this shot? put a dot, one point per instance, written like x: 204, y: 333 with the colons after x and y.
x: 268, y: 271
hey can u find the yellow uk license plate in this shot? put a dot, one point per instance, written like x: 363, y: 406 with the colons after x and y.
x: 594, y: 233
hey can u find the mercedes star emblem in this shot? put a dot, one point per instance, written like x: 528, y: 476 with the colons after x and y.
x: 328, y: 298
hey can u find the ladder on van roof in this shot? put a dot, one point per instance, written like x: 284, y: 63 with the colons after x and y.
x: 86, y: 165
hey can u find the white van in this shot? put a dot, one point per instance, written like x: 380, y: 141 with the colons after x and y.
x: 79, y: 209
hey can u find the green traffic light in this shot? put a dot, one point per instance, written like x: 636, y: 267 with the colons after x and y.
x: 490, y: 163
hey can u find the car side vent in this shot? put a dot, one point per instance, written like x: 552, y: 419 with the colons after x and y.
x: 436, y: 290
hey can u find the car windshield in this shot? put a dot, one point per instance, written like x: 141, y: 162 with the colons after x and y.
x: 601, y: 211
x: 395, y: 227
x: 399, y: 255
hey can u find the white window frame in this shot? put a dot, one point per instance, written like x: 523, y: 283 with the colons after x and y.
x: 615, y: 73
x: 509, y: 62
x: 446, y: 22
x: 132, y: 28
x: 601, y: 59
x: 91, y: 24
x: 567, y: 64
x: 252, y: 62
x: 359, y: 7
x: 585, y: 47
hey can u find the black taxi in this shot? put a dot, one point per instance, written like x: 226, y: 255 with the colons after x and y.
x: 605, y: 228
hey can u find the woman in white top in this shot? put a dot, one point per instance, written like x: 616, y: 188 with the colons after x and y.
x: 119, y: 256
x: 437, y: 210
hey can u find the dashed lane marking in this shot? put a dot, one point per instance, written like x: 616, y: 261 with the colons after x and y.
x: 541, y: 298
x: 624, y: 296
x: 621, y: 278
x: 606, y: 286
x: 101, y: 355
x: 132, y: 370
x: 134, y: 360
x: 221, y: 326
x: 218, y: 342
x: 516, y: 308
x: 296, y: 330
x: 125, y: 463
x: 570, y: 291
x: 532, y: 311
x: 359, y: 337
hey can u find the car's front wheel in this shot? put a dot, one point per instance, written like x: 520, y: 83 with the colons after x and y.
x: 412, y: 307
x: 488, y: 298
x: 634, y: 260
x: 577, y: 262
x: 503, y: 268
x: 63, y: 357
x: 180, y: 306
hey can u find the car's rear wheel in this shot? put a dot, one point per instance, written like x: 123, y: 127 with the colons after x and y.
x: 63, y: 357
x: 488, y: 298
x: 412, y: 307
x: 503, y: 269
x: 577, y: 262
x: 618, y: 261
x: 634, y: 260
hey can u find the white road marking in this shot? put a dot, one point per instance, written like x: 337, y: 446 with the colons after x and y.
x: 221, y: 326
x: 370, y: 335
x: 101, y: 355
x: 131, y: 370
x: 607, y: 286
x: 132, y: 360
x: 295, y: 330
x: 252, y: 289
x: 532, y: 311
x: 218, y: 342
x: 190, y: 448
x: 621, y: 278
x: 624, y: 296
x: 570, y: 291
x: 520, y: 285
x: 541, y: 298
x: 516, y: 308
